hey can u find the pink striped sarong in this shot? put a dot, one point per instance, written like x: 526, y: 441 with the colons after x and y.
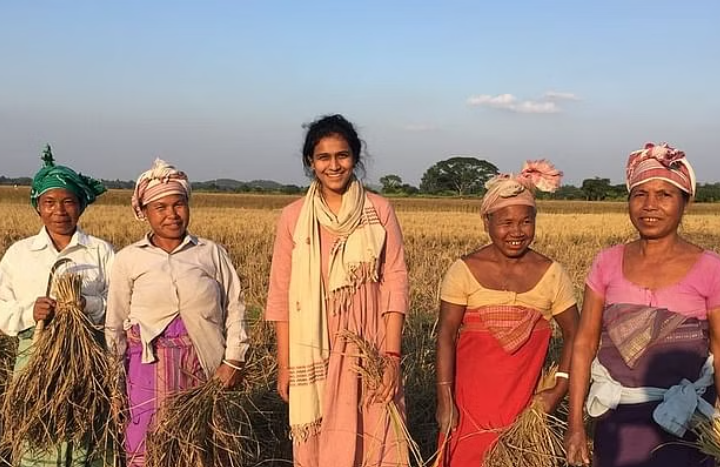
x: 148, y: 384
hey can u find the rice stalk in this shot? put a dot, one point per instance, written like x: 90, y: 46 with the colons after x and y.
x: 8, y: 350
x: 63, y: 392
x: 109, y: 445
x: 708, y: 437
x: 205, y: 426
x: 371, y: 368
x: 535, y: 439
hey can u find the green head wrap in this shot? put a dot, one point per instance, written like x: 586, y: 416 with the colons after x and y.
x: 57, y: 176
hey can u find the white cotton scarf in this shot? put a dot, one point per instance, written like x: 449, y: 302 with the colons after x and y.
x: 354, y: 260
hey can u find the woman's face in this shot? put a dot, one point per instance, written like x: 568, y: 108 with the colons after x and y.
x: 656, y: 208
x: 60, y: 211
x: 168, y: 216
x: 512, y: 229
x: 333, y: 164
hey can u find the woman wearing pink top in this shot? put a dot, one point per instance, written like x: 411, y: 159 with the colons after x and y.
x: 642, y: 360
x: 338, y: 264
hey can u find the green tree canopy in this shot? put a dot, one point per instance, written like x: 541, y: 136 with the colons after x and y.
x: 391, y: 183
x: 596, y: 189
x: 461, y: 175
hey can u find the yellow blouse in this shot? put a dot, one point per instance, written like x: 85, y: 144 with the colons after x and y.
x: 553, y: 294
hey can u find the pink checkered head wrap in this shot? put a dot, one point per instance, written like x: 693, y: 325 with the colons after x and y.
x: 161, y: 180
x: 519, y: 189
x: 661, y: 162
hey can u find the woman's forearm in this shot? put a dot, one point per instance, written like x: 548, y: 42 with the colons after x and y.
x: 282, y: 334
x: 445, y: 358
x: 393, y: 332
x: 579, y: 382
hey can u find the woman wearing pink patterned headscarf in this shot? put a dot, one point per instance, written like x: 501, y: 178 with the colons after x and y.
x: 175, y: 310
x: 642, y: 362
x: 494, y: 328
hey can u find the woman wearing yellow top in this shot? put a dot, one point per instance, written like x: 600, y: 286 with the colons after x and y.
x: 494, y: 332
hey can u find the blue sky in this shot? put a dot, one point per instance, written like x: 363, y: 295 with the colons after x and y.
x: 222, y: 88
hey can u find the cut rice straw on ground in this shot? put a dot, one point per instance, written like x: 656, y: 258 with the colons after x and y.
x: 371, y: 368
x: 64, y: 390
x: 205, y: 426
x: 535, y: 439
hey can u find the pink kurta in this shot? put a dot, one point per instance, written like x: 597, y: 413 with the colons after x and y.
x: 351, y: 435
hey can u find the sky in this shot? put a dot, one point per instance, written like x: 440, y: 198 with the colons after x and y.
x: 222, y: 88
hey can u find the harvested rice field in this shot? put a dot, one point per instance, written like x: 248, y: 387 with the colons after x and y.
x: 436, y: 232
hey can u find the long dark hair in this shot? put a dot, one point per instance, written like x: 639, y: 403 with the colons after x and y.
x: 332, y: 125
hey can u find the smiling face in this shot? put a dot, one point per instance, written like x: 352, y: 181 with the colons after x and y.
x: 333, y: 164
x: 512, y: 229
x: 168, y: 217
x: 656, y: 208
x: 60, y: 211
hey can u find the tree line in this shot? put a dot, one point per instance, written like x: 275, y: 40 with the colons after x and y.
x: 466, y: 176
x: 220, y: 185
x: 461, y: 176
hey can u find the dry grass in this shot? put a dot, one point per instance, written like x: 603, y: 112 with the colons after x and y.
x: 63, y: 393
x: 708, y: 437
x: 436, y: 232
x: 370, y: 364
x: 205, y: 426
x: 8, y: 349
x: 535, y: 439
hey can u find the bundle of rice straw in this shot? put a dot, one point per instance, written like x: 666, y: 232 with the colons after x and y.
x: 708, y: 437
x: 371, y: 368
x: 8, y: 350
x: 535, y: 439
x: 63, y: 394
x: 205, y: 426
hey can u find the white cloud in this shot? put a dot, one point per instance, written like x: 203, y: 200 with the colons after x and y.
x: 502, y: 101
x: 547, y: 104
x: 536, y: 107
x: 560, y: 96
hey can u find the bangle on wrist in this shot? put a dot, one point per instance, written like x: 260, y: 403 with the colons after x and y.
x: 444, y: 383
x: 232, y: 365
x: 389, y: 353
x: 562, y: 374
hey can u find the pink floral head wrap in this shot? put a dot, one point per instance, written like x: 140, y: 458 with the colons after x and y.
x: 660, y: 163
x: 161, y: 180
x: 512, y: 190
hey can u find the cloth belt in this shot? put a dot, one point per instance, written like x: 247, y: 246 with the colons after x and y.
x: 678, y: 405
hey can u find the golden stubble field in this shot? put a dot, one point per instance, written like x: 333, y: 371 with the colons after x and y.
x: 436, y: 232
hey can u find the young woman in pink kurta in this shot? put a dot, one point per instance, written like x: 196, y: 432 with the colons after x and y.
x: 346, y: 432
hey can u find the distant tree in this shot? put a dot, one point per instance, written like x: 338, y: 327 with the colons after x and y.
x: 460, y: 175
x: 708, y: 193
x: 596, y: 189
x: 390, y: 183
x: 618, y: 192
x: 24, y: 181
x: 290, y: 190
x: 408, y: 189
x: 568, y: 192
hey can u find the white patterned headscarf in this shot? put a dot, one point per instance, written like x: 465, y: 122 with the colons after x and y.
x: 660, y: 162
x: 519, y: 189
x: 161, y: 180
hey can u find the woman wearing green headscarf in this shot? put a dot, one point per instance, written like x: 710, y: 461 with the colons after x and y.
x: 60, y: 196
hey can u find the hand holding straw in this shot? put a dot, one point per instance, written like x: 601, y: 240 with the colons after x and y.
x: 229, y: 373
x: 40, y: 326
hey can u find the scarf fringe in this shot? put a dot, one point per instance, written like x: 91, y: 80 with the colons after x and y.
x: 301, y: 433
x: 340, y: 300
